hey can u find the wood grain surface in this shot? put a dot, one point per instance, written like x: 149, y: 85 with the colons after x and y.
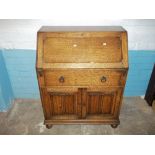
x: 82, y: 74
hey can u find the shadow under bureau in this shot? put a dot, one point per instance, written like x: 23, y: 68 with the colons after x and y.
x: 82, y: 74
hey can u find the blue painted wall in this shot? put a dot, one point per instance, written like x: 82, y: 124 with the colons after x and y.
x: 20, y: 65
x: 140, y: 68
x: 6, y: 92
x: 21, y: 69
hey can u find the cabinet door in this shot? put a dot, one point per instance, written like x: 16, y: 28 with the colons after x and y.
x: 61, y: 103
x: 101, y: 102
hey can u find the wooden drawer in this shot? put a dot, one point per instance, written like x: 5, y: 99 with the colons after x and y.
x: 84, y: 77
x: 83, y: 50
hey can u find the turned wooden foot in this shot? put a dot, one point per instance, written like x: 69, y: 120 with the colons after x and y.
x: 49, y: 126
x: 114, y: 125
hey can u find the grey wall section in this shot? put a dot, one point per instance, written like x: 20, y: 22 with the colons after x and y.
x: 6, y: 92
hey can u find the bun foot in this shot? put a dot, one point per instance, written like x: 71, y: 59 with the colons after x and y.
x: 114, y: 125
x: 49, y: 126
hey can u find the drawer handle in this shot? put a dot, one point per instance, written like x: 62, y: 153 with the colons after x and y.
x: 103, y: 79
x: 61, y: 79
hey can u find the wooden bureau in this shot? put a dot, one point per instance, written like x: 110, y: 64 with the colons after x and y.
x: 82, y: 74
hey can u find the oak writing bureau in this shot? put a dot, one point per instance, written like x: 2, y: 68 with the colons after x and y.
x: 82, y: 73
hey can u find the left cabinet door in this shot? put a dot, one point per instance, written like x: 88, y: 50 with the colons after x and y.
x: 61, y: 103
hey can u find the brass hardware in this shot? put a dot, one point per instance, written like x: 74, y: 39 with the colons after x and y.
x: 103, y: 79
x: 61, y: 79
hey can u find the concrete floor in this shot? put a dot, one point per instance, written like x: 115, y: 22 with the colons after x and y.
x: 26, y: 117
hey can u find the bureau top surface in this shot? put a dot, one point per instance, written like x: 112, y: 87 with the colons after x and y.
x: 88, y: 47
x: 81, y: 28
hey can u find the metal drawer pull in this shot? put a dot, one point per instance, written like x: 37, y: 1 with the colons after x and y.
x: 61, y: 79
x: 103, y: 79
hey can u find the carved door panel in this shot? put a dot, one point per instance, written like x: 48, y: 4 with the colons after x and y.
x: 100, y: 103
x: 62, y: 103
x: 81, y: 103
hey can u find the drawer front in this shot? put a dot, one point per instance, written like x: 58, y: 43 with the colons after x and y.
x: 82, y: 50
x: 84, y: 77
